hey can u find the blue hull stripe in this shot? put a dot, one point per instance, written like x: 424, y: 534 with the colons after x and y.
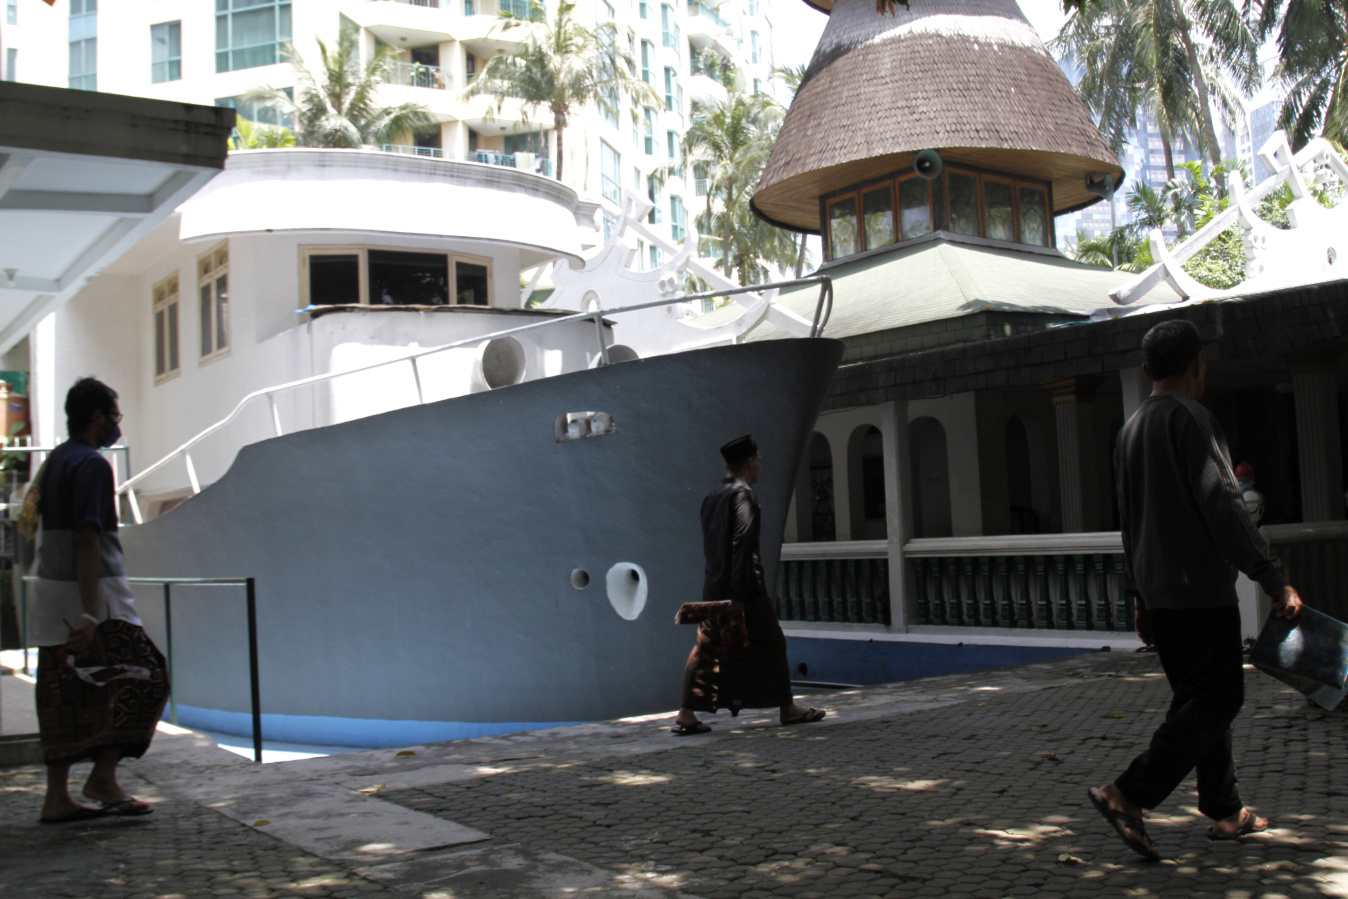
x: 370, y: 733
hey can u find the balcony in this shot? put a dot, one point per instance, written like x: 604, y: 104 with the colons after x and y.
x: 520, y: 9
x: 527, y: 162
x: 713, y: 17
x: 415, y: 74
x: 707, y: 28
x: 407, y: 23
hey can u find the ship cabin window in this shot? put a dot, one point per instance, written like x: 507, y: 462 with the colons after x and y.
x: 373, y: 276
x: 166, y: 360
x: 905, y: 207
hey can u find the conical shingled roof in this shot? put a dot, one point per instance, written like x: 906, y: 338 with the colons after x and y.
x: 968, y: 78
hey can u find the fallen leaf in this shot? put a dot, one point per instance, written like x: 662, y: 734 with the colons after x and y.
x: 262, y: 823
x: 405, y: 754
x: 1052, y: 756
x: 981, y: 704
x: 1117, y: 715
x: 374, y: 789
x: 1068, y: 859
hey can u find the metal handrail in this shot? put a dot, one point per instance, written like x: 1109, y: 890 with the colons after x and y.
x: 822, y: 311
x: 250, y: 598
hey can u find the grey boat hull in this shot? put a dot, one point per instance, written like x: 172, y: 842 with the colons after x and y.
x: 415, y: 569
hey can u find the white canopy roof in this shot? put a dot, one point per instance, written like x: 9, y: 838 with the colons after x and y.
x: 83, y: 176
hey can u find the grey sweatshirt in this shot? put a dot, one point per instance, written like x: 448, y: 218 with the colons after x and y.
x: 1185, y: 528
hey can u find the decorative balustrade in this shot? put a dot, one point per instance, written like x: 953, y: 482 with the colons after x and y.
x: 841, y: 582
x: 1052, y: 581
x: 710, y: 14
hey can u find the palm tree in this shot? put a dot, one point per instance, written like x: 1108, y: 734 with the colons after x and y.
x: 794, y: 77
x: 1313, y: 59
x: 561, y: 66
x: 731, y: 140
x: 339, y: 109
x: 250, y: 135
x: 1174, y: 58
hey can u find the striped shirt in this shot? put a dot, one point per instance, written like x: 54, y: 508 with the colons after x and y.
x: 77, y: 494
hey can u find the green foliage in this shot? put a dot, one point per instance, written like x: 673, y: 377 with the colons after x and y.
x: 336, y: 108
x: 1313, y: 62
x: 561, y: 66
x: 731, y: 140
x: 249, y: 135
x: 1221, y: 264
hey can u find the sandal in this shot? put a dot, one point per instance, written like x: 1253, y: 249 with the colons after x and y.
x: 1122, y: 822
x: 688, y: 730
x: 809, y: 716
x: 1249, y: 823
x: 130, y: 807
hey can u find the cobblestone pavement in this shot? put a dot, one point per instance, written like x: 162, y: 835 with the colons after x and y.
x: 963, y: 786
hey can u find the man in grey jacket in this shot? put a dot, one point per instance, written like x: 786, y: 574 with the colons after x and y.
x: 1185, y: 534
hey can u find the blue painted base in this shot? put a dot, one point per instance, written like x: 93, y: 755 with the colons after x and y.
x: 882, y: 661
x: 363, y: 732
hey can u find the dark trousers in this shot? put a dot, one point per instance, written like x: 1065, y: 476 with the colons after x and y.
x: 1200, y: 652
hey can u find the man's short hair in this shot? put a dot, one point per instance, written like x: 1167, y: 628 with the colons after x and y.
x: 1170, y: 348
x: 89, y: 395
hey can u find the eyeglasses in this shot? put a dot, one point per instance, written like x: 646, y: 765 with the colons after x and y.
x: 114, y: 417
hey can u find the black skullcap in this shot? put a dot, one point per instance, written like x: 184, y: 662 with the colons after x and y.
x: 739, y: 450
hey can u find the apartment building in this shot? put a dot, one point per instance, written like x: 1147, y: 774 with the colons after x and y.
x: 215, y: 53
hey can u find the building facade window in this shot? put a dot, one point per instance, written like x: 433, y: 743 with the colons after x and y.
x: 84, y: 45
x: 11, y: 12
x: 655, y: 257
x: 250, y: 33
x: 610, y: 226
x: 644, y: 9
x: 254, y: 112
x: 671, y: 89
x: 675, y: 151
x: 213, y: 294
x: 610, y: 172
x: 669, y: 29
x: 647, y: 51
x: 753, y: 46
x: 166, y: 52
x: 753, y: 7
x: 608, y: 104
x: 11, y: 64
x: 678, y: 219
x: 373, y: 276
x: 650, y: 132
x: 166, y: 360
x: 653, y: 194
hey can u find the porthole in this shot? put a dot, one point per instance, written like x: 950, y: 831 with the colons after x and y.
x: 500, y: 363
x: 627, y: 590
x: 580, y: 579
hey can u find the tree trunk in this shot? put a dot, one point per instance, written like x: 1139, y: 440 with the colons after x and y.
x: 1170, y: 173
x: 725, y: 229
x: 559, y: 123
x: 1201, y: 83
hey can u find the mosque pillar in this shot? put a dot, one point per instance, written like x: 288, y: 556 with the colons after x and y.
x: 1319, y: 443
x: 898, y: 511
x: 1072, y: 415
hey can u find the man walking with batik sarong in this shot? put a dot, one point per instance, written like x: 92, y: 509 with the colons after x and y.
x: 101, y: 683
x: 759, y: 677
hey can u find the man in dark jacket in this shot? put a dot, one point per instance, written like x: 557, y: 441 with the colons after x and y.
x: 1185, y: 534
x: 761, y: 677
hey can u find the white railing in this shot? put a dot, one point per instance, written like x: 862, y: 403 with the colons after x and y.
x: 823, y: 309
x: 416, y: 74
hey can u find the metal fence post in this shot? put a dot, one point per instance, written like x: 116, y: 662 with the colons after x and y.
x: 252, y: 670
x: 168, y: 647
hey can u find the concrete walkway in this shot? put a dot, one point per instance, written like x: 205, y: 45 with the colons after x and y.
x: 970, y: 785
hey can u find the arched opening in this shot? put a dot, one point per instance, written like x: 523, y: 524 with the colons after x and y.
x: 1020, y: 479
x: 866, y: 483
x: 931, y: 478
x: 815, y: 519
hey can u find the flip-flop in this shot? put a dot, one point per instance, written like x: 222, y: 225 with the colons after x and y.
x: 689, y: 730
x: 1122, y: 822
x: 1248, y: 824
x: 81, y: 813
x: 809, y: 716
x: 130, y: 807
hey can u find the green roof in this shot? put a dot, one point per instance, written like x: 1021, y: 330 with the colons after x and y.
x: 947, y: 278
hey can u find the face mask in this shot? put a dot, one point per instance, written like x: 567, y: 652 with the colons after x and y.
x: 113, y: 433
